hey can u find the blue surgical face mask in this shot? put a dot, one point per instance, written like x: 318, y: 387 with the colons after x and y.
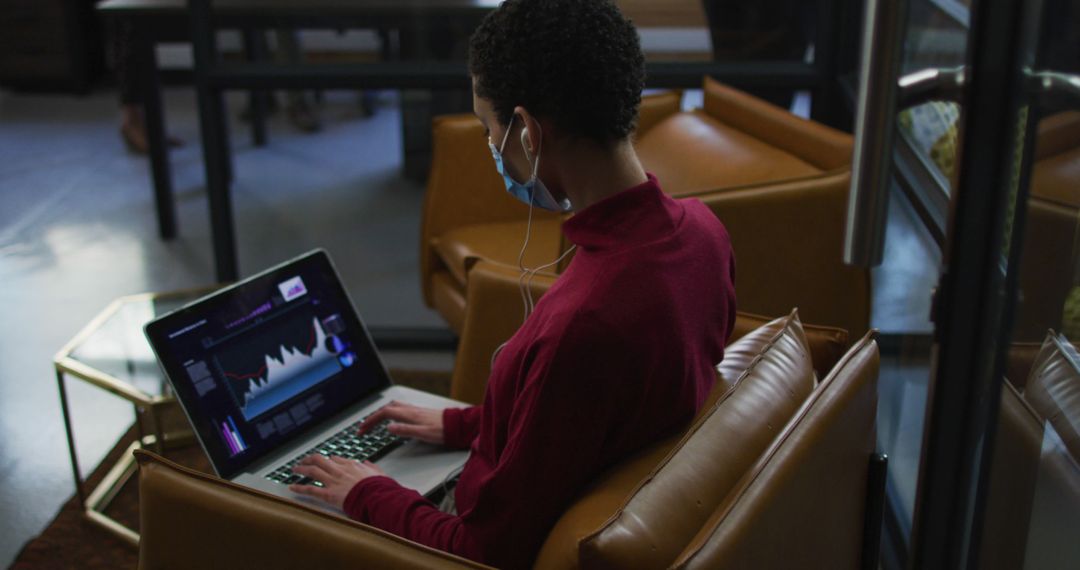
x: 533, y: 192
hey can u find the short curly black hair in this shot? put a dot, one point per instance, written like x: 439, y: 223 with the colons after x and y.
x: 576, y: 62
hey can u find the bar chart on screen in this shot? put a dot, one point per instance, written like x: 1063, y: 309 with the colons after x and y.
x: 232, y: 437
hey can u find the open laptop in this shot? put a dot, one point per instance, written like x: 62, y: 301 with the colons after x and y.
x: 280, y: 366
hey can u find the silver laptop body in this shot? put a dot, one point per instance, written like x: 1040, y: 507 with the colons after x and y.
x: 271, y: 367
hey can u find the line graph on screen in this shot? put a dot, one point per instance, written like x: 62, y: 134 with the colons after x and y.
x: 277, y: 362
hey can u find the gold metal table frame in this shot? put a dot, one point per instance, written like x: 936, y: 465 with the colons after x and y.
x: 148, y: 408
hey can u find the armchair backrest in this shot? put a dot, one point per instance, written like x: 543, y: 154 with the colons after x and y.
x: 803, y: 502
x: 821, y: 146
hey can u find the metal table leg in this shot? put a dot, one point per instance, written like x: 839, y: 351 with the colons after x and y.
x: 158, y: 145
x: 255, y: 50
x: 215, y: 144
x: 71, y: 440
x: 94, y: 504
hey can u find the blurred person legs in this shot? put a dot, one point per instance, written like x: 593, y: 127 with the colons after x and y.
x: 300, y: 109
x: 132, y: 119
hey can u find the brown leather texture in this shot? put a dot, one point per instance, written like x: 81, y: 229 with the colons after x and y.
x: 1046, y: 266
x: 1018, y: 362
x: 822, y: 147
x: 448, y: 298
x: 1013, y: 472
x: 460, y: 247
x: 788, y: 240
x: 1058, y: 133
x: 670, y: 505
x: 655, y: 108
x: 1053, y: 216
x: 802, y: 504
x: 192, y: 520
x: 604, y: 498
x: 693, y: 152
x: 1053, y: 390
x: 827, y: 344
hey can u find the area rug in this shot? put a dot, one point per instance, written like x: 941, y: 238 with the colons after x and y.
x: 70, y: 541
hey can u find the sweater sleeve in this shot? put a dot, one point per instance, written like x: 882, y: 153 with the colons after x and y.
x: 382, y: 502
x: 460, y: 426
x: 555, y: 444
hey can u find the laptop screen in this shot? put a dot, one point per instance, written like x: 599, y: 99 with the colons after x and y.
x: 257, y: 364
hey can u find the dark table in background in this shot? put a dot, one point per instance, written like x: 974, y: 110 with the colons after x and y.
x: 428, y: 57
x: 415, y: 24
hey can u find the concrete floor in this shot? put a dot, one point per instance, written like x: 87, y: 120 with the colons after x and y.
x: 77, y: 230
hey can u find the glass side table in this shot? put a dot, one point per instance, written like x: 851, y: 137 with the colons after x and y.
x: 112, y: 353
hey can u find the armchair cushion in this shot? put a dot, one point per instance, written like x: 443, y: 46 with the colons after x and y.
x: 1053, y: 389
x: 827, y: 344
x: 666, y: 510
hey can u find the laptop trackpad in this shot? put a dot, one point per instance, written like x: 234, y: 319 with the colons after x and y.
x: 421, y: 466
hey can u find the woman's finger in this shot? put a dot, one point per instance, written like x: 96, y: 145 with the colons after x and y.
x: 312, y: 491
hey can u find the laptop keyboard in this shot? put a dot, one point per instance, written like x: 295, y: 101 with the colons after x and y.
x: 346, y: 443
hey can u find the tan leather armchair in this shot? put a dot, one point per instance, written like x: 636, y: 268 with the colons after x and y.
x: 777, y: 181
x: 653, y: 504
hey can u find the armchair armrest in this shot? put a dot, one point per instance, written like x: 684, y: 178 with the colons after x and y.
x: 192, y: 520
x: 823, y: 147
x: 493, y: 313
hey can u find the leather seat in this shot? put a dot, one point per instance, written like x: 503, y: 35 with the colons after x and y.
x: 1053, y: 390
x: 191, y: 520
x: 777, y: 181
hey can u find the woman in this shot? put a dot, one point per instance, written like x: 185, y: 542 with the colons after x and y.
x: 620, y: 352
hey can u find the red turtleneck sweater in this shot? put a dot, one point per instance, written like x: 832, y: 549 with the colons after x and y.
x: 619, y: 353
